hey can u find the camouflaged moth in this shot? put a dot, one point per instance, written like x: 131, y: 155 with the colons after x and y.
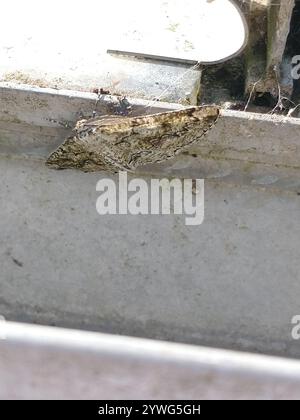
x: 113, y: 143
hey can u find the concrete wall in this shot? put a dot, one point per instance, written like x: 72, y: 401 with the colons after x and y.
x: 232, y: 282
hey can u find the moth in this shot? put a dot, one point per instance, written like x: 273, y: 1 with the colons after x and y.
x: 113, y: 143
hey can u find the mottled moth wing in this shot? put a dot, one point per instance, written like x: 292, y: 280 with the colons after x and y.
x: 122, y: 143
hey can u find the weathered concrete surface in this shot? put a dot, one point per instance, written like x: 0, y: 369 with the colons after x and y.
x: 48, y: 363
x: 232, y: 282
x: 67, y: 50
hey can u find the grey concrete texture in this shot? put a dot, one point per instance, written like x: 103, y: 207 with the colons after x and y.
x: 74, y: 55
x: 232, y: 282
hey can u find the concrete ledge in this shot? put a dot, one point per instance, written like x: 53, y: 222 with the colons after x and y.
x: 232, y: 282
x: 34, y: 121
x: 68, y: 50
